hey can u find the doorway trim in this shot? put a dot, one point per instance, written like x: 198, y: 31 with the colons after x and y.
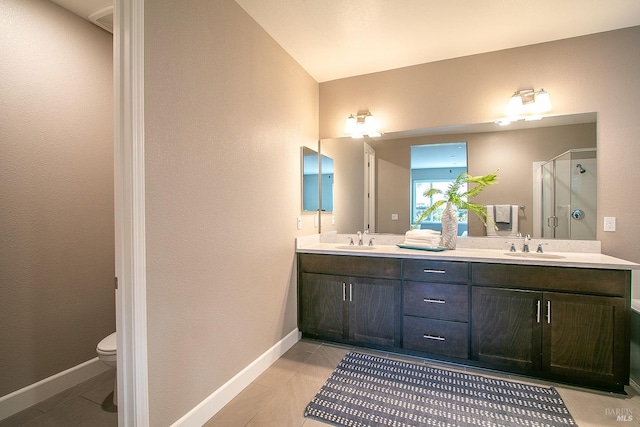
x: 369, y: 188
x: 129, y: 189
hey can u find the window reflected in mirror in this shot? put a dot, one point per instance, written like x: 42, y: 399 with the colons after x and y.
x: 326, y: 184
x: 436, y: 166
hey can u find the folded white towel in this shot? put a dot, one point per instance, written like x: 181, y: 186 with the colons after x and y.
x: 422, y: 238
x: 418, y: 234
x: 423, y: 243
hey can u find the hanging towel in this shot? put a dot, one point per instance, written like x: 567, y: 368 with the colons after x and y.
x: 503, y: 216
x: 503, y: 228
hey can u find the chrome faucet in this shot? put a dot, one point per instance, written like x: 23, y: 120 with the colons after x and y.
x: 360, y: 234
x: 525, y: 247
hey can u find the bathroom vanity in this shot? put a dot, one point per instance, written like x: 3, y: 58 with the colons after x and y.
x: 564, y: 317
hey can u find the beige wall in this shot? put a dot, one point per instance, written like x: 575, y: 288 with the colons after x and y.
x: 56, y: 191
x: 591, y: 73
x: 227, y: 111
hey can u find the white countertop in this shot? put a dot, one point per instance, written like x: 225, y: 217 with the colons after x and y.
x: 338, y: 245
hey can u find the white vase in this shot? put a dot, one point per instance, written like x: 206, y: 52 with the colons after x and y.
x: 449, y: 226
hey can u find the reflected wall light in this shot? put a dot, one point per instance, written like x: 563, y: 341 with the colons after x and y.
x: 362, y: 124
x: 526, y: 104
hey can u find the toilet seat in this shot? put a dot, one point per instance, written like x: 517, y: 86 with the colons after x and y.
x: 107, y: 347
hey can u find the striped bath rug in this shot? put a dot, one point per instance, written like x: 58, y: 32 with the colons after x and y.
x: 366, y: 390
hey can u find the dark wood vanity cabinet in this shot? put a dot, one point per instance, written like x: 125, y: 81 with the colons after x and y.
x: 573, y: 333
x: 361, y: 309
x: 559, y: 323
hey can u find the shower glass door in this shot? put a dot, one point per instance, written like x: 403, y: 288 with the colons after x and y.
x: 549, y: 218
x: 563, y: 196
x: 569, y: 196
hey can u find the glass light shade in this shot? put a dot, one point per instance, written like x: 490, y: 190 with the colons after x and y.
x: 514, y: 107
x: 350, y: 126
x: 370, y: 125
x: 543, y: 102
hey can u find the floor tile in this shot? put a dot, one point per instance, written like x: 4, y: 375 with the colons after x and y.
x: 21, y: 417
x: 287, y: 406
x: 69, y: 413
x: 243, y: 407
x: 101, y: 419
x: 81, y: 405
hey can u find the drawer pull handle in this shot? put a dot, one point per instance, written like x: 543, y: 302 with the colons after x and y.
x: 538, y: 312
x: 434, y: 301
x: 433, y: 337
x: 426, y: 270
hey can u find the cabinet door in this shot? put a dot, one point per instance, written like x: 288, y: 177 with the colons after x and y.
x: 375, y: 311
x: 322, y: 305
x: 506, y: 328
x: 584, y: 337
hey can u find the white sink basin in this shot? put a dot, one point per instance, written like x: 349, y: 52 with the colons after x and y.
x: 356, y: 248
x: 534, y: 255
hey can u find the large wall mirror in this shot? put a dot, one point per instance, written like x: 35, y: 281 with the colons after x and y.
x: 518, y: 152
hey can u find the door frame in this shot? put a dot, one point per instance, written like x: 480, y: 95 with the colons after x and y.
x: 129, y: 201
x: 370, y: 188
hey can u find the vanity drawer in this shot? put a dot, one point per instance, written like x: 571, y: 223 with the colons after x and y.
x: 564, y: 279
x: 346, y: 265
x: 436, y: 336
x: 436, y: 301
x: 435, y: 271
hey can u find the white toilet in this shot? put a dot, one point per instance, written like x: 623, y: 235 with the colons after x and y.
x: 106, y: 350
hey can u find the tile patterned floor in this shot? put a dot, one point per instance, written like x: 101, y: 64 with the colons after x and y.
x: 86, y: 405
x: 278, y: 397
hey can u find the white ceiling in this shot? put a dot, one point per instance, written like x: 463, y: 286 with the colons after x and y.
x: 332, y: 39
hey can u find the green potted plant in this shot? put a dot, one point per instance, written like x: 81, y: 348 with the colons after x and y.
x: 457, y: 196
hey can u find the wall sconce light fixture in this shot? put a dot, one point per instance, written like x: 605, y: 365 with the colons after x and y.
x: 526, y: 104
x: 362, y: 124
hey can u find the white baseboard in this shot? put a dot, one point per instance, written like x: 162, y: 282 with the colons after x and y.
x: 19, y: 400
x: 216, y: 400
